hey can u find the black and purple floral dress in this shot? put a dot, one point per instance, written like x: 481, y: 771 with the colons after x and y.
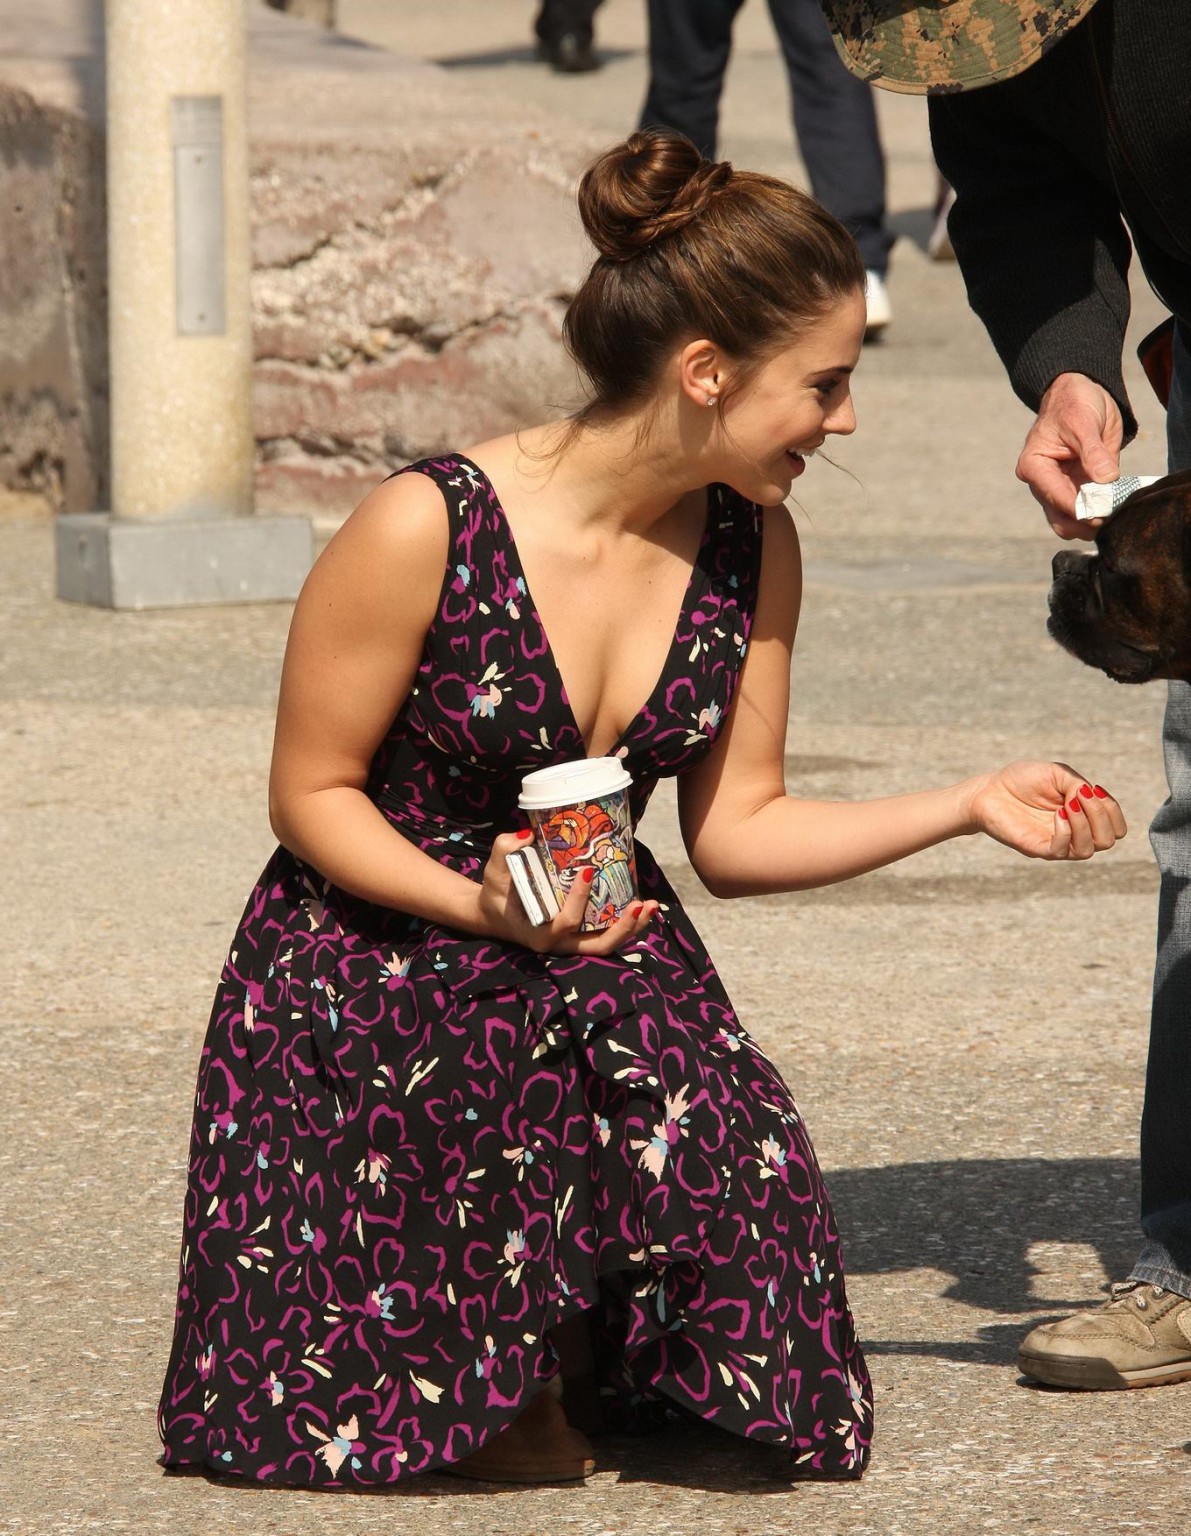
x: 415, y: 1153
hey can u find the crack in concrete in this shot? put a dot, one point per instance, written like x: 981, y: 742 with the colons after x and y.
x: 291, y: 450
x: 413, y: 342
x: 423, y: 187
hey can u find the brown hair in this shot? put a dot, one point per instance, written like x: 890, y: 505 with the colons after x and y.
x: 692, y: 248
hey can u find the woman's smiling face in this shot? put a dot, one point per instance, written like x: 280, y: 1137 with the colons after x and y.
x: 791, y: 405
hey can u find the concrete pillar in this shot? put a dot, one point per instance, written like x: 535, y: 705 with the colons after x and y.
x: 181, y: 528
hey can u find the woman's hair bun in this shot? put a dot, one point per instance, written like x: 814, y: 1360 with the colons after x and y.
x: 645, y: 189
x: 742, y: 259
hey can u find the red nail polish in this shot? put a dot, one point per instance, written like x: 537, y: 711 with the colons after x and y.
x: 1075, y: 805
x: 525, y: 834
x: 588, y: 874
x: 1063, y: 812
x: 1101, y: 793
x: 637, y: 910
x: 1086, y: 791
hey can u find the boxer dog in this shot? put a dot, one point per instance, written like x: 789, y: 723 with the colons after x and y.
x: 1127, y: 608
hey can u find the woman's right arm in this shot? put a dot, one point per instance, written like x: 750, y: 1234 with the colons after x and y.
x: 354, y: 647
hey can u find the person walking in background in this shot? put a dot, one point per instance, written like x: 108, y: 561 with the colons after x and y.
x: 835, y: 121
x: 1064, y: 131
x: 566, y: 35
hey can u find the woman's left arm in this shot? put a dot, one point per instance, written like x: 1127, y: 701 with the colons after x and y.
x: 746, y: 836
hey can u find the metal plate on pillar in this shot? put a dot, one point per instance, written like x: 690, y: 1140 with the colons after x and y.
x: 199, y: 243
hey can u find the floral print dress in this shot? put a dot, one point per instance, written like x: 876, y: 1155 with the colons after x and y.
x: 415, y: 1153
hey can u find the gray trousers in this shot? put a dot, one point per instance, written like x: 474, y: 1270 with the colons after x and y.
x: 1165, y: 1258
x: 834, y: 117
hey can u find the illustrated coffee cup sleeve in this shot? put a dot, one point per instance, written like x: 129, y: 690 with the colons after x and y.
x: 582, y: 819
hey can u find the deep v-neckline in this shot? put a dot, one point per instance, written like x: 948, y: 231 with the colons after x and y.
x: 712, y: 519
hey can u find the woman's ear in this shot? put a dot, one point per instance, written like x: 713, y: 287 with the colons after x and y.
x: 701, y: 372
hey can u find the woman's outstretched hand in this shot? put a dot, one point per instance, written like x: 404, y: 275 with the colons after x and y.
x: 503, y: 916
x: 1046, y: 811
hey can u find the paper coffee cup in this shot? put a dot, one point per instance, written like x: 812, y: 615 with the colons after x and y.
x: 580, y: 816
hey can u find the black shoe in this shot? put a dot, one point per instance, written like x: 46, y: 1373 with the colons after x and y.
x: 569, y: 55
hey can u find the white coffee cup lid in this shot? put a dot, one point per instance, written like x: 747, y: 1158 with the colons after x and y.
x: 587, y: 778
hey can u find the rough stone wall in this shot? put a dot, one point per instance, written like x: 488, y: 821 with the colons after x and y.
x: 413, y: 256
x: 413, y: 250
x: 53, y: 304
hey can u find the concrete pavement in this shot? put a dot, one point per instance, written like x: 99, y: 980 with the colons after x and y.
x: 965, y: 1033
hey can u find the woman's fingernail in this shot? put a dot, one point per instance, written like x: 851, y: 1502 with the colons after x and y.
x: 587, y: 874
x: 1102, y: 793
x: 637, y: 910
x: 1086, y: 791
x: 1075, y: 805
x: 524, y: 835
x: 1063, y: 812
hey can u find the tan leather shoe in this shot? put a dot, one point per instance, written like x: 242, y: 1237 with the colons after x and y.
x: 1141, y: 1337
x: 539, y: 1446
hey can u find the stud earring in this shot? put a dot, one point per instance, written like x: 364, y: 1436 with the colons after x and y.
x: 711, y: 399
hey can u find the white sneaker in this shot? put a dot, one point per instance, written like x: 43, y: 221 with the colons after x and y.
x: 878, y: 312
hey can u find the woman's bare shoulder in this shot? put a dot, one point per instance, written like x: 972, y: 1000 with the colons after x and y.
x: 399, y: 515
x: 779, y: 532
x: 394, y: 545
x: 528, y: 454
x: 779, y: 596
x: 532, y: 440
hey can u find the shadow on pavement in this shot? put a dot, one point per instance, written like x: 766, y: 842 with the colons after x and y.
x: 693, y: 1456
x: 914, y: 225
x: 978, y: 1221
x: 525, y: 54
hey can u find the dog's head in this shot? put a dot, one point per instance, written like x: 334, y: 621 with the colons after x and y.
x: 1127, y: 608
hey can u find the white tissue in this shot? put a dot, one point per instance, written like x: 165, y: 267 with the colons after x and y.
x: 1093, y: 500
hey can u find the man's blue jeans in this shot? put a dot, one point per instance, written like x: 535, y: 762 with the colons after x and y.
x: 1165, y: 1258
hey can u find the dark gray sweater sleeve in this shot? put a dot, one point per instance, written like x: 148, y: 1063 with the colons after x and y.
x: 1040, y: 242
